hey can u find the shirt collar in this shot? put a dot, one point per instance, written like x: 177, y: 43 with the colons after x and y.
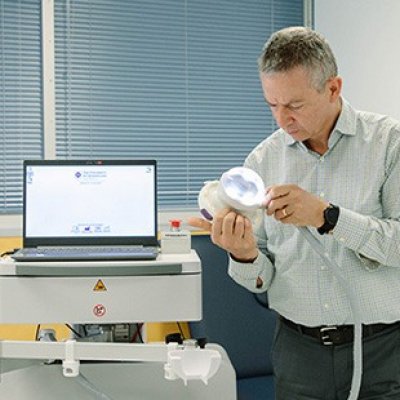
x: 346, y: 123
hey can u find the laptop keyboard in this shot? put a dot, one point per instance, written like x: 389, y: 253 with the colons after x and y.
x: 87, y: 253
x: 95, y: 250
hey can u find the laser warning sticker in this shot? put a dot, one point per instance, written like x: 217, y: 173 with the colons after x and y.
x: 100, y: 286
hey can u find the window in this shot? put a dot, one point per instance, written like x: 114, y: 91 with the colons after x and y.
x: 21, y: 128
x: 174, y: 80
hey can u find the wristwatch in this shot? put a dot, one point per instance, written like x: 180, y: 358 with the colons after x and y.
x: 331, y: 216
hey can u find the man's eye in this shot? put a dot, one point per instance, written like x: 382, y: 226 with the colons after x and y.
x: 295, y: 108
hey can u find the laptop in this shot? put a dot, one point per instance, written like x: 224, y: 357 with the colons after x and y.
x: 84, y: 210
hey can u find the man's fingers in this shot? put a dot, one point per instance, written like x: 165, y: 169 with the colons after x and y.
x: 229, y: 223
x: 239, y: 227
x: 219, y: 220
x: 267, y: 200
x: 248, y: 230
x: 277, y: 204
x: 277, y: 191
x: 199, y: 223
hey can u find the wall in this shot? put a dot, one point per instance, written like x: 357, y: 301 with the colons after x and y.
x: 364, y: 36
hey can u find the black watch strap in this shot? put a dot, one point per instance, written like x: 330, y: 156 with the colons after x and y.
x: 331, y: 216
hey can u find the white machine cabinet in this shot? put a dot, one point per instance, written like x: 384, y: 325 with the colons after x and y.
x: 167, y: 289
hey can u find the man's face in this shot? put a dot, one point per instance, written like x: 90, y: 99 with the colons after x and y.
x: 304, y: 113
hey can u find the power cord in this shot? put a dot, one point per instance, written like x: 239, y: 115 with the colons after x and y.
x: 138, y: 334
x: 8, y: 253
x: 37, y: 332
x: 73, y: 330
x: 180, y: 330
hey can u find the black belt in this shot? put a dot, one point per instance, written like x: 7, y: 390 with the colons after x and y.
x: 334, y: 335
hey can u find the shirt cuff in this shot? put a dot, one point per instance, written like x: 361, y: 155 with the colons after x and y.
x: 351, y: 229
x: 246, y: 271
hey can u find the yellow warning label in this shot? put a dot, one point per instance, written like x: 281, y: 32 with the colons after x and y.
x: 100, y: 286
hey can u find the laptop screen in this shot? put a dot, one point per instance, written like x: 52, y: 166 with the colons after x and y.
x: 109, y: 202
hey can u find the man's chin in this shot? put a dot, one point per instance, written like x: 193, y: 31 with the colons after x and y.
x: 297, y: 135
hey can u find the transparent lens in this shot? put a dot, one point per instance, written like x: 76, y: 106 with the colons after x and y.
x: 239, y: 188
x: 242, y: 188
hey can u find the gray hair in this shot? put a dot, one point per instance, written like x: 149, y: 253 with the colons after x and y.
x: 299, y: 47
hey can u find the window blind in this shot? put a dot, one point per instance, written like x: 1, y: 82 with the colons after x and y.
x: 20, y: 95
x: 173, y: 80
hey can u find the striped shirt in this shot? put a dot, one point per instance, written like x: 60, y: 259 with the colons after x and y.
x: 360, y: 173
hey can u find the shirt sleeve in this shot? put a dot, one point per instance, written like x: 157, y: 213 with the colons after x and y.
x: 376, y: 241
x: 246, y: 274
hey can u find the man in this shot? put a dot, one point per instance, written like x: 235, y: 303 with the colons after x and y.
x: 337, y: 171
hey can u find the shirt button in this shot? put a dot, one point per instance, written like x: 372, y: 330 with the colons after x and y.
x: 323, y: 267
x: 326, y: 306
x: 322, y: 159
x: 342, y: 239
x: 322, y: 194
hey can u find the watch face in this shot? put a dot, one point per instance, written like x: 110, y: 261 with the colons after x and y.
x: 332, y: 214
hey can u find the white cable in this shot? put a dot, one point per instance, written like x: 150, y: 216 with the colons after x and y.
x: 83, y: 381
x: 355, y: 309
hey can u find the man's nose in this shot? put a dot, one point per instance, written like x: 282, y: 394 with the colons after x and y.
x: 282, y: 116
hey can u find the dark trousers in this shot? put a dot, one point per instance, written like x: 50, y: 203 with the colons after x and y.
x: 306, y: 370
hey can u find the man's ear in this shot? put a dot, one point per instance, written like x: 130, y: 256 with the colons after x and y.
x: 335, y: 88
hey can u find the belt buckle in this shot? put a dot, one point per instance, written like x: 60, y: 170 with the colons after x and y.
x: 324, y: 334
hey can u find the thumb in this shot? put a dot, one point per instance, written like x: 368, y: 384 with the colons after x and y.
x: 199, y: 223
x: 266, y: 201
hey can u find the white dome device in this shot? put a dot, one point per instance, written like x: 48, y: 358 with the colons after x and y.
x: 239, y: 188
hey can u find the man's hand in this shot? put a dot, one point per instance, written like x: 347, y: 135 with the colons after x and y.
x: 290, y: 204
x: 232, y: 232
